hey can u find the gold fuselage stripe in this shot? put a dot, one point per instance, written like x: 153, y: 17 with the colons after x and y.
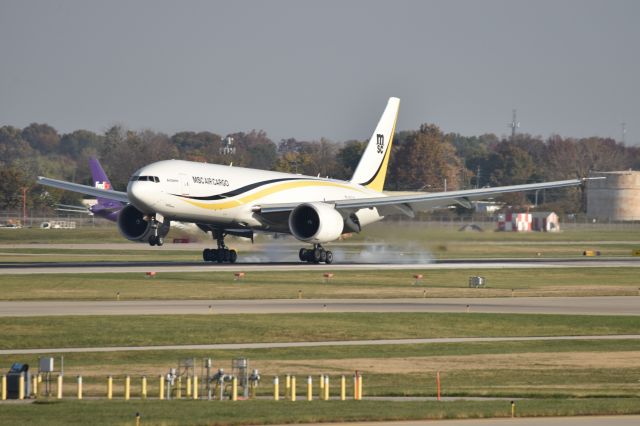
x: 264, y: 192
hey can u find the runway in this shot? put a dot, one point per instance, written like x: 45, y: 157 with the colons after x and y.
x: 597, y: 305
x: 272, y: 345
x: 110, y: 267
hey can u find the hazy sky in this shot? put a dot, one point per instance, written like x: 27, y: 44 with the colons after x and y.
x: 308, y: 69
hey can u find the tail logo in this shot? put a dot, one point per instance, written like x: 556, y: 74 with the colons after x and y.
x: 380, y: 143
x: 103, y: 185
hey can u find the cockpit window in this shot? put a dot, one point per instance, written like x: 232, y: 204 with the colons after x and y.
x: 144, y: 179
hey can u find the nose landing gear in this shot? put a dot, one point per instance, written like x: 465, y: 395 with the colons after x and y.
x: 155, y: 239
x: 222, y: 253
x: 316, y: 255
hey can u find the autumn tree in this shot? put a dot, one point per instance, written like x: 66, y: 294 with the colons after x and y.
x: 254, y: 149
x: 425, y: 159
x: 349, y: 156
x: 41, y: 137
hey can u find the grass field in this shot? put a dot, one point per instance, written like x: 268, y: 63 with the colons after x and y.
x: 45, y: 332
x: 271, y: 412
x: 345, y: 284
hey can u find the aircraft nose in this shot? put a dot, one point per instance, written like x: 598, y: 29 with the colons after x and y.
x: 141, y: 196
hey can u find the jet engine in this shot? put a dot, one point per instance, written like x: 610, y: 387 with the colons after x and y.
x: 134, y: 226
x: 316, y: 223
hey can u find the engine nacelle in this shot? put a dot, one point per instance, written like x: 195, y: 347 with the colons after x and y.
x: 316, y: 223
x: 134, y: 227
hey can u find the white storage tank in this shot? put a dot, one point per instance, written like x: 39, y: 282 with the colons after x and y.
x: 615, y: 198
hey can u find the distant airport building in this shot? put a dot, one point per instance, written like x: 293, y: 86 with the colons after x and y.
x: 515, y: 222
x: 525, y: 222
x: 616, y: 198
x: 545, y: 222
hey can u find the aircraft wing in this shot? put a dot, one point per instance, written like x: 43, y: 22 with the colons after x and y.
x: 84, y: 189
x: 409, y: 204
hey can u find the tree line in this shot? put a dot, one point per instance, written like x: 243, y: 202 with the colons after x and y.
x: 425, y: 159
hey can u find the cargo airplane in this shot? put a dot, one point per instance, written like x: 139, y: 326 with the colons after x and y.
x: 228, y: 200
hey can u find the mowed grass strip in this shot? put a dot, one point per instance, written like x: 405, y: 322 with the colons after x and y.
x: 271, y: 412
x: 120, y: 361
x: 87, y: 331
x: 312, y: 284
x: 388, y: 230
x: 423, y: 232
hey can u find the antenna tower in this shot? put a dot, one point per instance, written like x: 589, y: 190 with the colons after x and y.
x: 514, y: 124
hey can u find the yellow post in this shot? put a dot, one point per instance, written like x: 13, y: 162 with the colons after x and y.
x: 195, y: 387
x: 4, y: 387
x: 143, y: 391
x: 109, y: 387
x: 343, y: 388
x: 513, y: 409
x: 59, y: 390
x: 309, y: 388
x: 179, y: 388
x: 161, y: 394
x: 34, y: 386
x: 359, y: 387
x: 276, y: 389
x: 287, y: 386
x: 326, y: 388
x: 79, y: 387
x: 321, y: 383
x: 127, y: 388
x: 188, y: 386
x: 21, y: 387
x: 293, y: 388
x: 234, y: 389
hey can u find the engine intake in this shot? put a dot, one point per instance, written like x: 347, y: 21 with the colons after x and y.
x: 316, y: 223
x: 134, y: 227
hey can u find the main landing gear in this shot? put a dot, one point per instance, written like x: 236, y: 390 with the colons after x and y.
x: 316, y: 255
x: 222, y: 253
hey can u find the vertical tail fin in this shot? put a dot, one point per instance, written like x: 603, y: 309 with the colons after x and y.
x: 100, y: 179
x: 372, y: 168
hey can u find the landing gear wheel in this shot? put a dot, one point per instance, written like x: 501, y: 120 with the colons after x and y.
x: 233, y: 256
x: 159, y: 241
x: 317, y: 253
x: 153, y: 240
x: 329, y: 258
x: 206, y: 255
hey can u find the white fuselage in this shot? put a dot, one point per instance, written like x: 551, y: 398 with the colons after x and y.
x: 227, y: 196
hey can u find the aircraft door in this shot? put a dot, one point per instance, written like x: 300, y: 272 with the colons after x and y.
x: 184, y: 184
